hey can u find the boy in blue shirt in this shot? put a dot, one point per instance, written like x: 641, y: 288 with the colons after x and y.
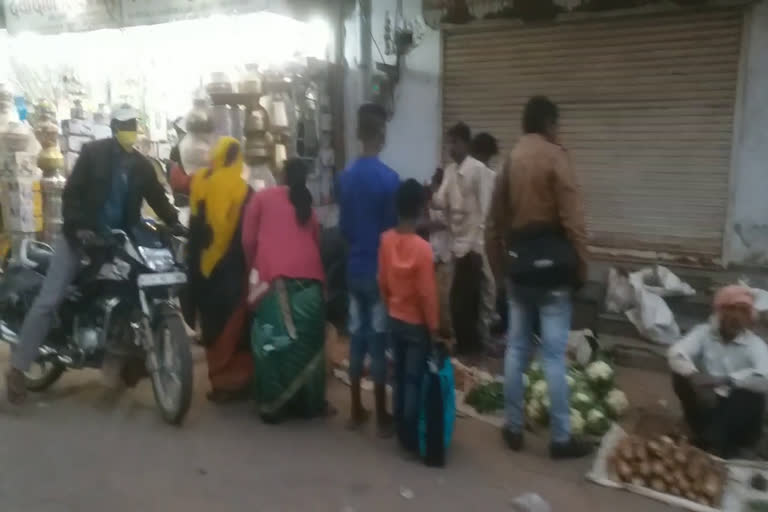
x: 366, y: 192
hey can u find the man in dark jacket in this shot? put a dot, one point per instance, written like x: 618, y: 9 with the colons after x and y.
x: 108, y: 184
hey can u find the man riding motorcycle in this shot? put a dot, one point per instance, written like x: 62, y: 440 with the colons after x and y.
x: 104, y: 192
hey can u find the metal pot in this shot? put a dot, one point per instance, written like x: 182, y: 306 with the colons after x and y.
x: 220, y: 84
x: 199, y: 121
x: 252, y: 84
x: 50, y: 159
x: 257, y: 121
x: 258, y: 146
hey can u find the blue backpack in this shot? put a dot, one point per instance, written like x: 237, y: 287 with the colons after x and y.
x: 438, y: 410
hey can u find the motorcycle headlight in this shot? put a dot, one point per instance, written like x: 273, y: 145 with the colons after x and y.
x: 158, y: 260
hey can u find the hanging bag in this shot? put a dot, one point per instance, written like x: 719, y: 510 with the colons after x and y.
x: 541, y: 256
x: 438, y: 412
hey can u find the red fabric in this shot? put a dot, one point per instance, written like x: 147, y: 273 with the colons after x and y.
x: 180, y: 180
x: 274, y: 242
x: 407, y: 279
x: 230, y: 363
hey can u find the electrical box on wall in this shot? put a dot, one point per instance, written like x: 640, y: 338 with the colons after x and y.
x: 383, y: 83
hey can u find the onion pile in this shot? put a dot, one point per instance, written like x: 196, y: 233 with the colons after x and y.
x: 670, y: 467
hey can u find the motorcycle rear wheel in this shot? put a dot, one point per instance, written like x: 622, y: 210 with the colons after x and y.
x: 173, y: 376
x: 49, y: 373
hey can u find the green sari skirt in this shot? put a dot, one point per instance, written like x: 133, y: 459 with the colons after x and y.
x: 288, y: 343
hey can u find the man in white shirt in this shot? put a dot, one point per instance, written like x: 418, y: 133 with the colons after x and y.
x: 721, y: 376
x: 464, y: 196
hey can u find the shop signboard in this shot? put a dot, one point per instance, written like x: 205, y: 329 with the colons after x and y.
x: 147, y: 12
x: 55, y: 16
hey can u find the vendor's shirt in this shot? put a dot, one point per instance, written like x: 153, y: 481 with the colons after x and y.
x: 465, y: 197
x: 744, y: 360
x: 113, y: 216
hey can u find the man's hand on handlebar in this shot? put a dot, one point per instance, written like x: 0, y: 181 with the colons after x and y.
x: 86, y: 236
x: 180, y: 230
x: 91, y: 239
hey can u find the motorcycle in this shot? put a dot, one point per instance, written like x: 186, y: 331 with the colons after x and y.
x: 124, y: 304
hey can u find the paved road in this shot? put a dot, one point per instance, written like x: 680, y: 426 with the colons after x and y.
x: 73, y: 451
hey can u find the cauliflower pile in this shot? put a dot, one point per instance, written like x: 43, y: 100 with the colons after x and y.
x: 595, y: 402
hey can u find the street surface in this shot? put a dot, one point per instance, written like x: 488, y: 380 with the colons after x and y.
x: 72, y: 450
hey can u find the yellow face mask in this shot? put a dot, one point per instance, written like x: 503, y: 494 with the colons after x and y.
x: 126, y: 139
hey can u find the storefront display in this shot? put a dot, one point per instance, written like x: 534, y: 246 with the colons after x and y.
x: 19, y: 185
x: 254, y: 78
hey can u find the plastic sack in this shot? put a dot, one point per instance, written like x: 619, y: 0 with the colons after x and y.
x: 620, y: 296
x: 761, y: 300
x: 438, y: 413
x: 761, y: 297
x: 662, y: 282
x: 651, y: 315
x: 653, y: 319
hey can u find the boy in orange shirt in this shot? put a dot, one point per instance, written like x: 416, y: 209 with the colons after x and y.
x: 408, y: 289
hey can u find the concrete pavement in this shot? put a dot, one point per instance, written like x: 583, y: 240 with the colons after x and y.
x: 71, y: 450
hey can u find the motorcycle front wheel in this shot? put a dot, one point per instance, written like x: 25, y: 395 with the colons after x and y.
x: 173, y: 370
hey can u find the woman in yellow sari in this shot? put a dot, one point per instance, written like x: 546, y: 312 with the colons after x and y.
x: 217, y: 275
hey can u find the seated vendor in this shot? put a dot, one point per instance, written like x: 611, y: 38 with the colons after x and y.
x: 721, y: 376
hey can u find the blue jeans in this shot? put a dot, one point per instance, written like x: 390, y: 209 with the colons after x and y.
x: 367, y: 329
x: 411, y: 345
x: 553, y: 310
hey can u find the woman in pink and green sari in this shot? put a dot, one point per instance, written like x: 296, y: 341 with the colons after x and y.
x: 281, y: 243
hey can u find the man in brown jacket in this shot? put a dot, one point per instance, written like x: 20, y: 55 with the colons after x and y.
x: 538, y: 187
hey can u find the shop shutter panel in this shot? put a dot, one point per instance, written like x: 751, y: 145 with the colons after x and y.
x: 647, y: 114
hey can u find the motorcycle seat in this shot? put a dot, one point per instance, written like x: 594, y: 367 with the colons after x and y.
x: 40, y: 255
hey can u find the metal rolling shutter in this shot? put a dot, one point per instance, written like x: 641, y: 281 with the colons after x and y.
x: 647, y: 114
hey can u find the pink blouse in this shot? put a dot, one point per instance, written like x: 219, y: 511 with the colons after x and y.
x: 274, y: 242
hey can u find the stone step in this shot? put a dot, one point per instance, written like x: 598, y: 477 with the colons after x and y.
x: 698, y: 306
x: 631, y: 352
x: 613, y: 324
